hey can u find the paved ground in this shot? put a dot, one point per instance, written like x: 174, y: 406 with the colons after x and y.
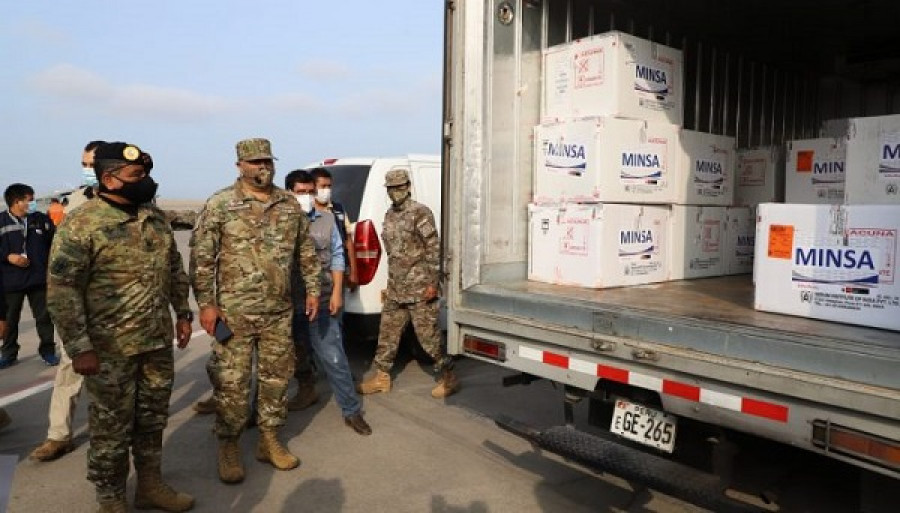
x: 424, y: 455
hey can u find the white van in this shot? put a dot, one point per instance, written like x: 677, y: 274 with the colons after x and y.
x: 359, y: 187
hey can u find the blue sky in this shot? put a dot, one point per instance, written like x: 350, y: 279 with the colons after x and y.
x: 185, y: 80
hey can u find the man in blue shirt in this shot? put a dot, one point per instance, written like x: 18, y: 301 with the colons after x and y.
x: 25, y: 238
x: 325, y: 331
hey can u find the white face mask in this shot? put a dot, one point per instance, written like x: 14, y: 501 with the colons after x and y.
x: 323, y: 196
x: 88, y: 177
x: 305, y: 201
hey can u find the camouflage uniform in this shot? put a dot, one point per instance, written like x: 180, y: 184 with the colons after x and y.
x: 242, y: 252
x: 413, y: 247
x: 112, y: 276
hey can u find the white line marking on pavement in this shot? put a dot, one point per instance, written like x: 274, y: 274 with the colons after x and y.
x: 47, y: 384
x: 27, y: 392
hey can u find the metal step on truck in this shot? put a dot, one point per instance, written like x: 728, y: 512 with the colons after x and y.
x: 660, y: 361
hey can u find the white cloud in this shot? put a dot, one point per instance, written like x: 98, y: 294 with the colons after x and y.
x: 325, y: 70
x: 164, y: 103
x: 40, y: 32
x: 68, y: 82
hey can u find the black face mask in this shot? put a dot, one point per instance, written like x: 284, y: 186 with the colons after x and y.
x: 137, y: 193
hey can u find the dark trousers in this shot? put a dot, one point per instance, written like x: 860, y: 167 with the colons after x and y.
x: 37, y: 300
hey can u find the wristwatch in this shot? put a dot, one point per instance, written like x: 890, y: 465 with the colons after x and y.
x: 186, y: 316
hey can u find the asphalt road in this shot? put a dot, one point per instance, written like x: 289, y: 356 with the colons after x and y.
x: 425, y: 455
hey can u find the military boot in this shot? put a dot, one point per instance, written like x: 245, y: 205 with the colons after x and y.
x: 270, y: 450
x: 379, y: 382
x: 305, y: 397
x: 117, y: 505
x: 447, y: 385
x: 153, y: 493
x: 231, y: 470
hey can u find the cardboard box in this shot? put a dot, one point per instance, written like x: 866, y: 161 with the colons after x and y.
x: 696, y: 242
x: 829, y: 262
x: 606, y: 160
x: 707, y: 165
x: 598, y: 246
x: 873, y: 161
x: 814, y: 172
x: 759, y: 176
x: 613, y: 74
x: 740, y: 237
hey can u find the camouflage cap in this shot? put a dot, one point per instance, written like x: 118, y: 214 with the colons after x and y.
x: 396, y: 176
x: 254, y: 149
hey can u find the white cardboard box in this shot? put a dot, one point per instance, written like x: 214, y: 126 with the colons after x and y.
x: 707, y: 165
x: 606, y: 160
x: 759, y: 176
x: 696, y: 241
x: 613, y: 74
x: 814, y: 171
x: 598, y: 246
x: 740, y: 236
x: 873, y: 161
x: 829, y: 262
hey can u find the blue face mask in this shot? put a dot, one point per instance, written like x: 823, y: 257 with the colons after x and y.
x: 32, y: 206
x: 88, y: 177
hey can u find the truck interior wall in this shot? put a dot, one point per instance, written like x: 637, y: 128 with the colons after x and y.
x: 764, y: 72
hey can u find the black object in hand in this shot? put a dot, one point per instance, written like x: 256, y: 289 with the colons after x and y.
x: 222, y: 332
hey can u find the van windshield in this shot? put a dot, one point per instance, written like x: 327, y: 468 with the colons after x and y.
x: 348, y: 185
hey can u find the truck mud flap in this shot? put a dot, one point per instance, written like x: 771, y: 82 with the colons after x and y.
x: 598, y: 454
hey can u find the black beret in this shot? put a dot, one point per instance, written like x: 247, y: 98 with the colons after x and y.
x: 124, y: 152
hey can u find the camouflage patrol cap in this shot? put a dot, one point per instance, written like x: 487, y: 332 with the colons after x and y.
x: 396, y: 176
x: 254, y: 149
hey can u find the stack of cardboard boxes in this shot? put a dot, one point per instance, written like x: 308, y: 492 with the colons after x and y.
x: 622, y: 194
x: 831, y: 250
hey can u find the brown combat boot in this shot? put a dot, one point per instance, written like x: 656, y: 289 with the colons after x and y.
x: 117, y: 505
x: 305, y: 397
x: 270, y: 450
x: 51, y: 449
x: 231, y: 470
x: 379, y: 382
x: 153, y: 493
x: 447, y: 385
x: 205, y: 407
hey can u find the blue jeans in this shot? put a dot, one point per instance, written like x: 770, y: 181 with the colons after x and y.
x: 328, y: 346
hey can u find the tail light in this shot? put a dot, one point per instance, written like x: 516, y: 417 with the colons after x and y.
x: 368, y: 251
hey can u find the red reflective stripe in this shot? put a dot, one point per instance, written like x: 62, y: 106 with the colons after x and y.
x: 764, y: 409
x: 556, y: 360
x: 675, y: 388
x: 612, y: 374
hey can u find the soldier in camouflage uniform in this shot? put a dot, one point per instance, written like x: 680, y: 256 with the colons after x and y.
x: 114, y: 271
x: 247, y: 239
x: 413, y: 248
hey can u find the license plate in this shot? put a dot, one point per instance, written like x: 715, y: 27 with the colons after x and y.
x: 644, y: 425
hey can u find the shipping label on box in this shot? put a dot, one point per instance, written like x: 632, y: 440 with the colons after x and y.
x: 815, y: 171
x: 873, y: 161
x: 740, y: 238
x: 606, y: 160
x: 696, y: 241
x: 759, y: 176
x: 708, y: 166
x: 829, y: 262
x: 598, y: 246
x: 613, y: 74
